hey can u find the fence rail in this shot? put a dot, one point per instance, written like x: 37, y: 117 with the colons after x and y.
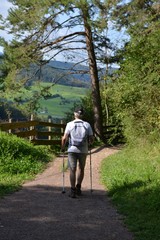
x: 50, y: 135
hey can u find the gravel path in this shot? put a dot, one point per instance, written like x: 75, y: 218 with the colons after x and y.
x: 39, y: 211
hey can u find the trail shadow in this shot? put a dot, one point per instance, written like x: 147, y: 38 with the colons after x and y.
x: 98, y: 149
x: 94, y: 150
x: 43, y: 212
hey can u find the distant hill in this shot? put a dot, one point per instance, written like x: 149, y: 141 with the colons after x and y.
x: 78, y: 72
x: 60, y: 72
x: 64, y: 73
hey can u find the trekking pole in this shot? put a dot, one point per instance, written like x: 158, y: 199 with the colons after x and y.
x: 90, y: 171
x: 63, y: 189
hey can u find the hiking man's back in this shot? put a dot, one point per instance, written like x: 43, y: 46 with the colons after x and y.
x: 79, y: 134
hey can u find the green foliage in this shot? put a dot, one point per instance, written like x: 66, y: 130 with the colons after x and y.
x: 114, y: 134
x: 19, y: 160
x: 135, y: 95
x: 17, y: 154
x: 132, y: 180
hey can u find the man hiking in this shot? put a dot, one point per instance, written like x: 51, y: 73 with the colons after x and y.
x: 79, y: 134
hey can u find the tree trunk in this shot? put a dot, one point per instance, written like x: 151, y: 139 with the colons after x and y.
x: 96, y: 98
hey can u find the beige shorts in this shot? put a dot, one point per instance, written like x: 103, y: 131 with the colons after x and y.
x: 73, y: 158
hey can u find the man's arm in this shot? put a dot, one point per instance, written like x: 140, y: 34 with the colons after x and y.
x: 90, y: 135
x: 91, y: 139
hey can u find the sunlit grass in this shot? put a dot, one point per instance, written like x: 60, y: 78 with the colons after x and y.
x: 132, y: 178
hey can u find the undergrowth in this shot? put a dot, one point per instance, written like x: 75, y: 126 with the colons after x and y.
x: 20, y: 160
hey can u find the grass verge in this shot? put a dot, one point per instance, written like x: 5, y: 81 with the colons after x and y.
x: 132, y: 179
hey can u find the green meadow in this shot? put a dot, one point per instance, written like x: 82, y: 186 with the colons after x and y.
x: 62, y: 100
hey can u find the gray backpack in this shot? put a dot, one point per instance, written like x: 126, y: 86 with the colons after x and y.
x: 78, y: 134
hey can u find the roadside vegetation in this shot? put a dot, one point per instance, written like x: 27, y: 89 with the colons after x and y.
x: 132, y: 180
x: 132, y: 176
x: 20, y: 161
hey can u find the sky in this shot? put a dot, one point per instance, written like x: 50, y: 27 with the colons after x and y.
x: 4, y: 6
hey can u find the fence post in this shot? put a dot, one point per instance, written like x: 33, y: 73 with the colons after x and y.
x: 10, y: 120
x: 49, y: 129
x: 31, y: 128
x: 62, y: 131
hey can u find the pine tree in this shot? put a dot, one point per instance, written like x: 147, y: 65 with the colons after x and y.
x: 43, y: 29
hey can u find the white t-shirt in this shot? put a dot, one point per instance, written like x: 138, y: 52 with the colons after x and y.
x: 69, y: 127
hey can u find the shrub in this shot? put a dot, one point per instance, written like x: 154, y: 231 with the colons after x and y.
x: 18, y: 155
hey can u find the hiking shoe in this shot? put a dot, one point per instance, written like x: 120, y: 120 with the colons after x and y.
x: 78, y: 190
x: 72, y: 193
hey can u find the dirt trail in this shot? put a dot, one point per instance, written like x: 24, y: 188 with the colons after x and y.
x: 39, y: 211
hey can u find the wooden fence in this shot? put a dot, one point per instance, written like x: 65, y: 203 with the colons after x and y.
x: 38, y: 132
x: 48, y: 133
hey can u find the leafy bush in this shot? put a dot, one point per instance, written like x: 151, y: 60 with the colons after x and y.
x: 10, y: 144
x: 19, y: 160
